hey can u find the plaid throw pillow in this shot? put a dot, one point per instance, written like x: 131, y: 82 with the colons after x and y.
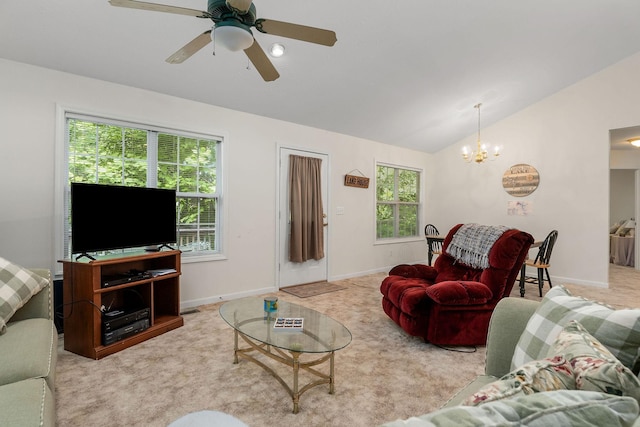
x: 17, y: 286
x: 618, y: 330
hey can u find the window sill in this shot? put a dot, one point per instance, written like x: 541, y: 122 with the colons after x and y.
x: 393, y: 241
x: 190, y: 257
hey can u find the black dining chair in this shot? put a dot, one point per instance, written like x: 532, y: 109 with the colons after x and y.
x: 541, y: 263
x: 434, y: 241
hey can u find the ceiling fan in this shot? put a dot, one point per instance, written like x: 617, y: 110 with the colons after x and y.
x: 233, y: 20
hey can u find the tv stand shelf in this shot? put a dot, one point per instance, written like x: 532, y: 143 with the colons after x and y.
x: 84, y: 297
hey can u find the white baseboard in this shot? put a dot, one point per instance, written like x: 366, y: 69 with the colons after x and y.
x: 226, y: 297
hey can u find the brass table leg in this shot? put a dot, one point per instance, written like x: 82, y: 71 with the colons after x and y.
x: 331, y: 375
x: 235, y: 346
x: 291, y: 359
x: 296, y: 368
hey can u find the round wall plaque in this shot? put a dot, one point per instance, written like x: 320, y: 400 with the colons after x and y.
x: 520, y: 180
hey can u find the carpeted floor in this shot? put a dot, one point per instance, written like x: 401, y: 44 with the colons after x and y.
x: 381, y: 376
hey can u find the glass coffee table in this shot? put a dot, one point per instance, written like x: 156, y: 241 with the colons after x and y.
x: 319, y: 339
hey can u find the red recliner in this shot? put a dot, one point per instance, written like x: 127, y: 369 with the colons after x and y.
x: 451, y: 302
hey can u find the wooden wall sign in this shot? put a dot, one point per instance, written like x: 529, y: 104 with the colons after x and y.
x: 356, y: 181
x: 520, y: 180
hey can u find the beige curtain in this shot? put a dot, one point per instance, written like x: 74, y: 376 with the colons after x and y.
x: 305, y: 198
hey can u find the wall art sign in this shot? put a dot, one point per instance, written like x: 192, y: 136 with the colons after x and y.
x: 356, y: 181
x: 520, y: 180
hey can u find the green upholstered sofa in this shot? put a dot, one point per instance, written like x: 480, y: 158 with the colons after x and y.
x: 564, y: 407
x: 28, y: 354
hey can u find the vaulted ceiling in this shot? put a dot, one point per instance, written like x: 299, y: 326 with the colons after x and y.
x: 405, y: 72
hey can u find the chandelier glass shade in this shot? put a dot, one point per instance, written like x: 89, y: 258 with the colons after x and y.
x: 482, y: 152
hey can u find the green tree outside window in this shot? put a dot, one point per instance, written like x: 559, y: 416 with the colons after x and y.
x: 397, y: 207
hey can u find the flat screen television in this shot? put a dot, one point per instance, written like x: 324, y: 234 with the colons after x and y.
x: 105, y: 217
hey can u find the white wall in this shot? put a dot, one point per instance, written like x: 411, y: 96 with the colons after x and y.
x: 28, y: 104
x: 566, y: 138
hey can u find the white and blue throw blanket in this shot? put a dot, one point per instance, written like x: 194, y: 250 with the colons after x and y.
x: 472, y: 242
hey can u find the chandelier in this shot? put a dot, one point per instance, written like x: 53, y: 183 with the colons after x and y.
x: 482, y: 151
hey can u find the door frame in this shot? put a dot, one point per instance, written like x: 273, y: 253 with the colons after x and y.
x: 279, y: 195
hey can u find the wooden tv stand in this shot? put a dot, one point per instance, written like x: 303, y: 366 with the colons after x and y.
x: 84, y: 296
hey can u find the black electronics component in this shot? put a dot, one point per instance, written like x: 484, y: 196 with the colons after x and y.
x: 120, y: 279
x: 101, y: 218
x: 115, y: 319
x: 125, y: 331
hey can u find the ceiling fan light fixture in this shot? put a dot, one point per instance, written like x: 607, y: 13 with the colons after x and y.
x: 232, y: 36
x: 276, y: 50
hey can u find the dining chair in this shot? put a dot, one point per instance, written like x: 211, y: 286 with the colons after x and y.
x: 434, y: 241
x: 541, y: 263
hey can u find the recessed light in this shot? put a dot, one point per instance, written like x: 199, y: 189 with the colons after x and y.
x: 277, y: 50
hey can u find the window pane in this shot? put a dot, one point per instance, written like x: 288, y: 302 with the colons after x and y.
x: 135, y: 144
x: 167, y: 148
x: 407, y: 186
x: 82, y: 137
x: 188, y: 151
x: 82, y: 168
x: 207, y: 152
x: 135, y: 173
x: 197, y: 223
x: 208, y: 208
x: 109, y: 171
x: 188, y: 179
x: 207, y: 180
x: 110, y: 141
x: 408, y: 221
x: 167, y: 176
x: 385, y: 183
x: 384, y: 221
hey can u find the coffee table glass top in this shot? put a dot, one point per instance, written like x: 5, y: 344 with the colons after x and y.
x: 320, y: 333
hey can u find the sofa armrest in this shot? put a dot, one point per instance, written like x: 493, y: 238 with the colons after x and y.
x: 41, y: 304
x: 415, y: 271
x: 453, y: 292
x: 507, y: 323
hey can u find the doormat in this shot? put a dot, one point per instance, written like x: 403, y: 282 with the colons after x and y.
x: 312, y: 289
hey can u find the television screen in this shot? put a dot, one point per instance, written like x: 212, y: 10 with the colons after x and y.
x: 115, y: 217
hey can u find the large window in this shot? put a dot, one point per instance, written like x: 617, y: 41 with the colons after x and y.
x: 104, y: 151
x: 398, y: 202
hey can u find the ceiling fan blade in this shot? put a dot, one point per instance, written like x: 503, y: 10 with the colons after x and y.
x: 297, y: 32
x: 190, y: 48
x: 241, y: 6
x: 133, y: 4
x: 262, y: 63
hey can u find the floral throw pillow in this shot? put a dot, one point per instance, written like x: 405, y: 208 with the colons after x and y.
x: 594, y: 367
x: 550, y: 374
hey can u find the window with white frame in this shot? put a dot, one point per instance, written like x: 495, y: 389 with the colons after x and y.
x: 397, y: 202
x: 103, y: 151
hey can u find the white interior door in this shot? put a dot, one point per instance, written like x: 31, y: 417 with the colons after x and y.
x: 293, y: 273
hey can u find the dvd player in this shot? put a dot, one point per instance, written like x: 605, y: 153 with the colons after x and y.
x: 115, y: 319
x: 120, y: 279
x: 125, y: 332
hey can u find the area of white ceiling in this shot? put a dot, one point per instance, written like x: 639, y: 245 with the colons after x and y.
x: 406, y: 73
